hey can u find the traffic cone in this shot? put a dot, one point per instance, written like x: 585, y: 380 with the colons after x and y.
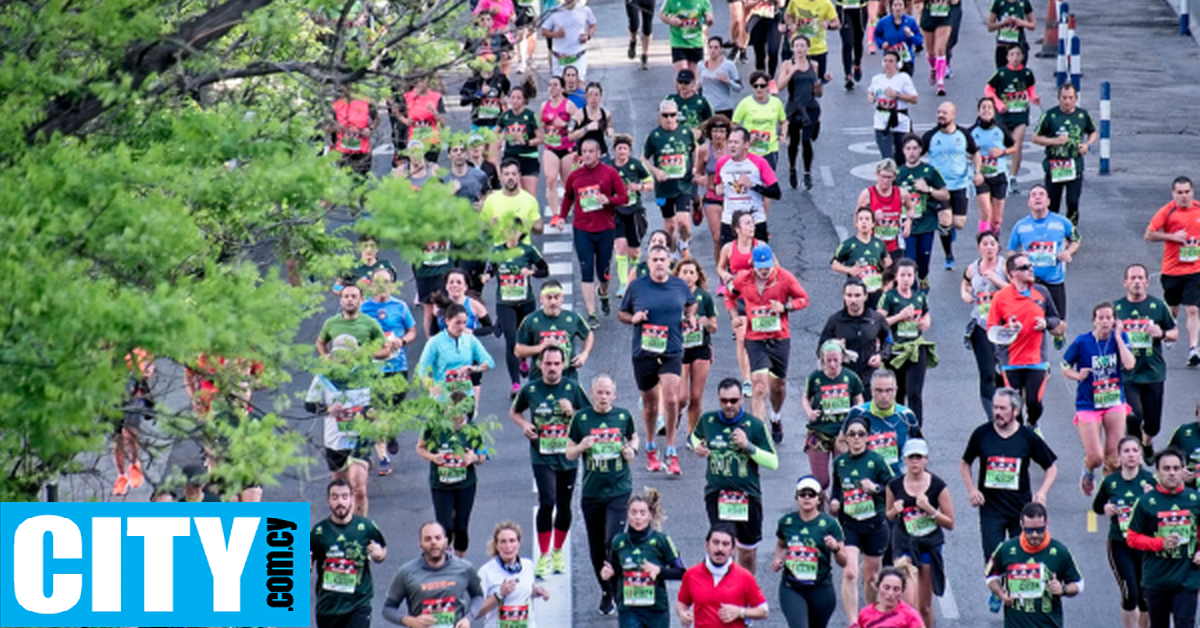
x: 1050, y: 36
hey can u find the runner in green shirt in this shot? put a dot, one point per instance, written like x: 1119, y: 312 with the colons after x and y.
x: 694, y: 109
x: 643, y: 558
x: 863, y: 256
x: 1148, y: 322
x: 340, y: 545
x: 807, y: 542
x: 687, y: 19
x: 553, y: 327
x: 907, y: 312
x: 1067, y: 132
x: 1032, y: 573
x: 1186, y: 438
x: 1115, y: 499
x: 668, y: 154
x: 453, y: 451
x: 829, y: 393
x: 927, y: 188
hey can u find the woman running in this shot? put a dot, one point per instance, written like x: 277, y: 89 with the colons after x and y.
x: 736, y: 257
x: 631, y: 218
x: 453, y: 449
x: 573, y: 88
x: 1115, y: 499
x: 892, y: 93
x: 478, y: 319
x: 807, y: 543
x: 425, y: 117
x: 890, y: 609
x: 762, y: 114
x: 995, y: 145
x: 1095, y: 359
x: 898, y: 32
x: 643, y: 558
x: 935, y: 27
x: 829, y: 393
x: 765, y: 33
x: 485, y: 93
x: 1009, y: 19
x: 907, y: 313
x: 592, y: 122
x: 1012, y: 89
x: 697, y: 341
x: 514, y: 264
x: 801, y: 75
x: 522, y: 134
x: 719, y: 78
x: 451, y: 358
x: 509, y: 587
x: 558, y: 115
x: 716, y: 131
x: 893, y: 208
x: 863, y: 255
x: 923, y: 184
x: 640, y: 13
x: 981, y: 281
x: 853, y: 16
x: 919, y: 503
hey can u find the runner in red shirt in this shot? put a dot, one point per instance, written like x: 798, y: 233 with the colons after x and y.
x: 1177, y: 225
x: 894, y: 211
x: 719, y: 593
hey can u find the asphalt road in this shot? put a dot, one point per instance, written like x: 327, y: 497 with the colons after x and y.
x: 805, y: 228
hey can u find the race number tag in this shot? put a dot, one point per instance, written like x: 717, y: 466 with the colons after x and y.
x: 983, y: 303
x: 988, y: 165
x: 908, y: 330
x: 1106, y: 393
x: 917, y: 522
x: 887, y: 228
x: 859, y: 505
x: 608, y: 443
x: 458, y: 380
x: 1042, y: 254
x: 1002, y: 473
x: 553, y: 137
x: 1189, y: 252
x: 489, y: 108
x: 1062, y: 170
x: 340, y: 575
x: 1178, y: 522
x: 693, y: 334
x: 674, y: 165
x: 801, y: 562
x: 442, y: 610
x: 1124, y: 514
x: 762, y: 319
x: 437, y: 254
x: 638, y: 589
x: 939, y: 8
x: 918, y: 201
x: 835, y: 399
x: 760, y: 142
x: 1008, y: 35
x: 514, y: 616
x: 513, y: 287
x: 552, y: 439
x: 884, y: 444
x: 589, y: 198
x: 514, y: 133
x: 452, y: 470
x: 654, y: 338
x: 1026, y: 581
x: 422, y: 130
x: 1016, y: 102
x: 733, y: 506
x: 871, y: 278
x: 1138, y: 331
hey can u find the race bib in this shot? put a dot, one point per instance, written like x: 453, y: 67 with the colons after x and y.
x: 1026, y: 581
x: 1138, y: 331
x: 1062, y: 170
x: 674, y: 165
x: 654, y: 338
x: 760, y: 142
x: 1106, y: 393
x: 436, y: 254
x: 733, y: 506
x: 638, y: 589
x: 762, y: 319
x: 442, y: 610
x: 907, y: 330
x: 693, y: 334
x: 489, y: 108
x: 801, y: 562
x: 988, y: 166
x: 917, y: 522
x: 552, y: 439
x: 589, y: 198
x: 352, y: 144
x: 422, y: 130
x: 887, y: 228
x: 918, y: 201
x: 1177, y: 522
x: 340, y: 575
x: 858, y: 504
x: 871, y: 278
x: 1190, y: 251
x: 1124, y: 513
x: 1042, y: 254
x: 1003, y: 474
x: 1016, y: 102
x: 608, y: 444
x: 1008, y: 35
x: 884, y: 444
x: 835, y: 399
x: 458, y: 380
x: 513, y: 287
x: 689, y: 27
x: 903, y: 51
x: 939, y: 10
x: 983, y: 303
x: 452, y: 470
x: 553, y: 137
x: 514, y: 616
x: 514, y: 133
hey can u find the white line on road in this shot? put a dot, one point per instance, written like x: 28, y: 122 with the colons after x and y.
x: 555, y: 247
x: 561, y: 269
x: 827, y: 176
x: 948, y: 603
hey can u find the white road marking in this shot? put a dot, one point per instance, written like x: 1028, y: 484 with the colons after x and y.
x: 561, y: 269
x: 827, y: 176
x: 948, y: 603
x: 557, y: 610
x: 555, y: 247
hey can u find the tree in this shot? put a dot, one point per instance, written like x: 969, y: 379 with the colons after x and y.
x: 158, y: 161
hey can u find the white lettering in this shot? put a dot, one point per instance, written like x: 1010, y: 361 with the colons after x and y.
x: 106, y: 564
x: 65, y: 542
x: 159, y: 559
x: 226, y: 564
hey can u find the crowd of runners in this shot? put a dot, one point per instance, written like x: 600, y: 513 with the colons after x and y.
x: 868, y: 503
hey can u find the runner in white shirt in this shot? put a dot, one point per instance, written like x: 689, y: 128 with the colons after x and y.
x: 507, y: 581
x: 892, y: 93
x: 745, y: 179
x: 571, y: 27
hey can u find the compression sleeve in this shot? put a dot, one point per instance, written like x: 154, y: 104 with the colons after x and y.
x: 765, y: 458
x: 1139, y: 541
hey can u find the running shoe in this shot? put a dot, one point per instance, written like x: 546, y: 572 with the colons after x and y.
x: 742, y: 58
x: 607, y: 607
x: 792, y: 181
x: 673, y: 465
x: 732, y: 55
x: 949, y: 70
x: 645, y: 63
x: 870, y: 47
x: 605, y: 306
x: 1059, y: 343
x: 849, y: 83
x: 994, y: 603
x: 949, y: 263
x: 1012, y: 186
x: 632, y: 52
x: 521, y: 67
x: 777, y: 432
x: 516, y: 388
x: 747, y: 390
x: 121, y: 486
x: 923, y: 285
x: 941, y: 90
x: 720, y: 289
x: 385, y: 467
x: 808, y: 184
x: 135, y: 475
x: 558, y: 561
x: 393, y: 447
x: 1087, y: 482
x: 593, y: 321
x: 543, y: 567
x: 1193, y: 358
x: 857, y: 73
x: 697, y: 213
x: 652, y: 463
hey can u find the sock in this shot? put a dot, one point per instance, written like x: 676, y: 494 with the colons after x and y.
x: 560, y: 538
x: 775, y: 418
x: 650, y: 446
x: 940, y: 68
x: 984, y: 226
x: 670, y: 451
x: 953, y: 234
x: 944, y: 236
x: 544, y: 541
x: 622, y: 271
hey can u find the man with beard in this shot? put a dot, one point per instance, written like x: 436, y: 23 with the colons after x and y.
x: 864, y: 331
x: 349, y: 321
x: 1148, y: 322
x: 340, y: 545
x: 707, y: 599
x: 439, y: 589
x: 953, y: 152
x: 552, y: 327
x: 511, y: 203
x: 468, y: 181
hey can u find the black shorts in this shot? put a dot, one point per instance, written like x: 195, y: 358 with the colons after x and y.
x: 648, y: 367
x: 773, y: 160
x: 426, y: 286
x: 870, y: 537
x: 1013, y: 120
x: 357, y: 618
x: 931, y: 23
x: 341, y: 459
x: 530, y: 166
x: 561, y: 153
x: 760, y: 233
x: 703, y: 352
x: 691, y: 55
x: 632, y: 227
x: 958, y: 202
x: 681, y: 204
x: 748, y: 533
x: 769, y: 355
x: 995, y: 185
x: 1181, y: 289
x: 526, y: 16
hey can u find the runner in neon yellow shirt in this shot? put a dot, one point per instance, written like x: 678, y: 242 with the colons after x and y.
x: 811, y: 18
x: 765, y: 117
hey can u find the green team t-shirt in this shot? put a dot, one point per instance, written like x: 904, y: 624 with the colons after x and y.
x: 1010, y: 8
x: 892, y: 303
x: 1027, y: 576
x: 808, y: 15
x: 1186, y: 438
x: 1135, y: 319
x: 807, y: 561
x: 451, y: 473
x: 635, y: 589
x: 762, y: 121
x: 671, y: 152
x: 924, y: 206
x: 562, y: 330
x: 833, y: 397
x: 1064, y: 163
x: 513, y: 288
x: 339, y: 554
x: 551, y: 423
x: 693, y: 111
x: 1012, y: 86
x: 691, y: 33
x: 697, y: 336
x: 868, y: 255
x: 512, y: 128
x: 364, y: 329
x: 1159, y: 515
x: 730, y: 468
x: 605, y: 473
x: 634, y: 171
x: 849, y: 471
x: 1123, y: 494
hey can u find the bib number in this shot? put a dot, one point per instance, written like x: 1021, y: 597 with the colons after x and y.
x: 871, y: 278
x: 1106, y: 393
x: 489, y: 109
x: 693, y: 335
x: 458, y: 380
x: 1043, y: 254
x: 1002, y: 473
x: 760, y: 142
x: 939, y: 10
x: 802, y: 562
x: 608, y: 444
x: 673, y: 165
x: 654, y: 338
x: 859, y: 505
x: 917, y: 522
x: 452, y: 470
x: 1016, y: 102
x: 1025, y: 581
x: 1138, y: 332
x: 513, y: 287
x: 835, y: 399
x: 552, y: 439
x: 436, y: 254
x: 589, y: 199
x: 989, y: 166
x: 442, y: 611
x: 340, y: 575
x: 1124, y: 513
x: 1189, y: 253
x: 884, y: 444
x: 514, y: 616
x: 983, y: 303
x: 638, y: 589
x: 1062, y: 170
x: 762, y: 319
x: 733, y: 506
x: 1008, y: 35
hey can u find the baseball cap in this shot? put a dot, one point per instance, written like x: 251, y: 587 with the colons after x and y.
x: 763, y: 257
x: 685, y: 76
x: 808, y: 482
x: 916, y: 447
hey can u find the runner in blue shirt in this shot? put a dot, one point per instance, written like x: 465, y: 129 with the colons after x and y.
x: 952, y: 151
x: 1050, y: 242
x: 399, y: 330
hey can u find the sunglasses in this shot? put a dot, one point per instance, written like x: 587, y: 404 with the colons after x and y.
x: 667, y: 115
x: 856, y: 434
x: 1023, y: 267
x: 760, y: 86
x: 807, y: 494
x: 1037, y: 530
x: 730, y: 400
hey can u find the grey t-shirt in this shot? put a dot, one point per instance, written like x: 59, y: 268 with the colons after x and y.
x: 471, y: 185
x: 453, y: 590
x: 720, y: 95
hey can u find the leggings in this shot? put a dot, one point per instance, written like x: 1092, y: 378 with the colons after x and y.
x: 854, y: 27
x: 1031, y: 383
x: 1073, y: 188
x: 807, y: 607
x: 956, y: 15
x: 642, y: 11
x: 985, y: 362
x: 910, y: 384
x: 595, y: 250
x: 605, y: 518
x: 1147, y: 403
x: 802, y: 137
x: 919, y: 248
x: 554, y: 489
x: 1164, y: 605
x: 452, y: 509
x: 509, y: 318
x: 994, y: 529
x: 1058, y: 294
x: 1127, y: 569
x: 765, y: 38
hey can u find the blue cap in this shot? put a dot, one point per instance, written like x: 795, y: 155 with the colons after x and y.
x: 763, y: 258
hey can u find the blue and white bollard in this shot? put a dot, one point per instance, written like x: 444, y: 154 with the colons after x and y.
x: 1105, y: 126
x: 1074, y: 60
x: 1185, y: 27
x: 1063, y: 67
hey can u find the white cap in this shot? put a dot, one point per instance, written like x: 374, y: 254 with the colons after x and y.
x: 808, y: 482
x: 916, y: 447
